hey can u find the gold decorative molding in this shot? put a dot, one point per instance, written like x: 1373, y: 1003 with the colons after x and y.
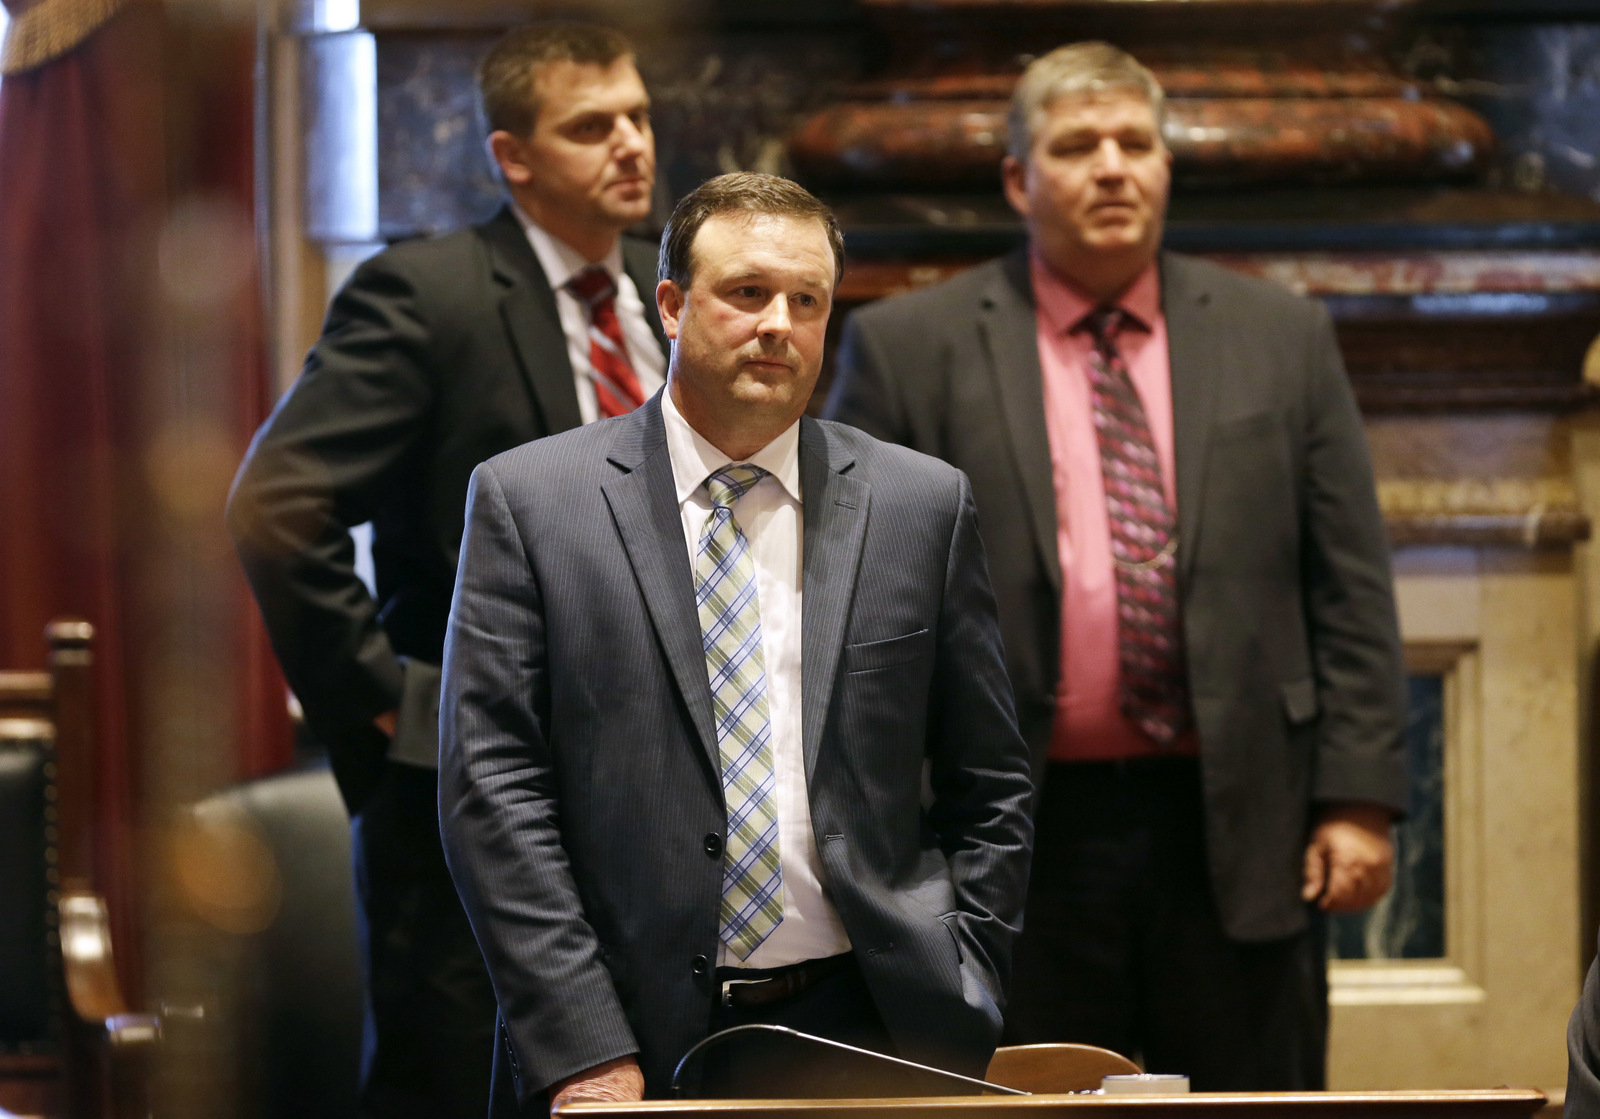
x: 42, y: 31
x: 1522, y: 513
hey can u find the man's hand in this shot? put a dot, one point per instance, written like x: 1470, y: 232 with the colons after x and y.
x: 386, y: 722
x: 1350, y: 860
x: 616, y: 1081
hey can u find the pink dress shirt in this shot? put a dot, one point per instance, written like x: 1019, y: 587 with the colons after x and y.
x: 1089, y: 725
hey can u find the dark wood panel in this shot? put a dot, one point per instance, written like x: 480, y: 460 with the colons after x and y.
x: 920, y: 226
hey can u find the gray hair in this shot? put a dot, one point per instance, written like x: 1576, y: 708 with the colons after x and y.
x: 1075, y: 70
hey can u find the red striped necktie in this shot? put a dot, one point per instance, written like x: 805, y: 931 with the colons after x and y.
x: 1144, y: 538
x: 616, y: 386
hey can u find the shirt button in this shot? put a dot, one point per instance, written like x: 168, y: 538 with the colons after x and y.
x: 699, y: 965
x: 713, y: 844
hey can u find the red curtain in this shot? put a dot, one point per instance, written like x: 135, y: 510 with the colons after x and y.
x: 95, y: 147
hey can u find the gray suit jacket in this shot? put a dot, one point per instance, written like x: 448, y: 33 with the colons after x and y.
x: 435, y: 355
x: 1289, y: 621
x: 1583, y: 1051
x: 579, y: 777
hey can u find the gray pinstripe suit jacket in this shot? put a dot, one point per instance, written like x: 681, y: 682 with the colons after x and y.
x: 578, y: 774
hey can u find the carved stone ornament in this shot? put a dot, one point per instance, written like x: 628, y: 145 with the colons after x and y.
x: 1259, y: 91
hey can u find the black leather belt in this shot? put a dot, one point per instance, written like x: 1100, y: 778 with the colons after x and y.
x: 784, y: 983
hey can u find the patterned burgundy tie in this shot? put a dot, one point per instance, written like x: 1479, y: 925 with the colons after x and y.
x: 616, y: 386
x: 1155, y: 694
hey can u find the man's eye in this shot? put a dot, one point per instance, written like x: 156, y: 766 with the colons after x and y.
x: 805, y: 299
x: 748, y: 291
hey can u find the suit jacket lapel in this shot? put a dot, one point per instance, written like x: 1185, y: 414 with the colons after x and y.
x: 532, y: 322
x: 644, y: 504
x: 835, y: 526
x: 1011, y: 333
x: 1194, y: 339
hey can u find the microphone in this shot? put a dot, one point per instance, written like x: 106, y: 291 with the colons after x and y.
x: 804, y: 1066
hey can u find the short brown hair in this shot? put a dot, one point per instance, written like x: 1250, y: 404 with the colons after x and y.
x: 746, y: 193
x: 507, y: 94
x: 1081, y: 70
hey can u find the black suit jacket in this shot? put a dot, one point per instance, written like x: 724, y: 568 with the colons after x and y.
x: 579, y: 776
x: 435, y: 355
x: 1283, y: 572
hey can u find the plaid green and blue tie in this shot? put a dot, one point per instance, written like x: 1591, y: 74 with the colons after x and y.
x: 730, y: 626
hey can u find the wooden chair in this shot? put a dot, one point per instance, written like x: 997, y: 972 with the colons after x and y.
x: 1056, y: 1067
x: 68, y: 1042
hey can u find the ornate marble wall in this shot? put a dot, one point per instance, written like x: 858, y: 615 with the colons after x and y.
x: 1409, y: 923
x: 732, y: 97
x: 723, y: 101
x: 1538, y: 85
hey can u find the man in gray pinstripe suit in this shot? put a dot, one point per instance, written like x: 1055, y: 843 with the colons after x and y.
x: 726, y: 732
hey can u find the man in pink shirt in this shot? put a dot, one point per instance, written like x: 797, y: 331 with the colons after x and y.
x: 1175, y: 493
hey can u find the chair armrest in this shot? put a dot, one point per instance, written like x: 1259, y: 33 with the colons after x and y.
x: 87, y: 957
x: 111, y: 1046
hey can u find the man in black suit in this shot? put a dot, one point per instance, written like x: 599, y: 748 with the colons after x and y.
x: 1194, y: 588
x: 726, y: 734
x: 436, y: 355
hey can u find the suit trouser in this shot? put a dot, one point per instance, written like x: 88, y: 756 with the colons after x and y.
x: 429, y: 1033
x: 1122, y: 946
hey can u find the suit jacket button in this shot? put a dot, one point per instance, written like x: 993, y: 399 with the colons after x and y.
x: 713, y: 844
x: 700, y: 965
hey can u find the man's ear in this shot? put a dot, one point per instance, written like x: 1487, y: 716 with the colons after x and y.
x: 510, y: 156
x: 669, y: 302
x: 1014, y: 182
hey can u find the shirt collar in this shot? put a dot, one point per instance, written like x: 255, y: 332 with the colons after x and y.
x: 694, y: 458
x: 560, y: 260
x: 1064, y: 305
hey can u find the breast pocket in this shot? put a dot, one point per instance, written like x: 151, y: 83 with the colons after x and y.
x: 1243, y: 429
x: 872, y: 656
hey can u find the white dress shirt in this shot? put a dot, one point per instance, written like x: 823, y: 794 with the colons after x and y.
x: 561, y: 262
x: 772, y: 518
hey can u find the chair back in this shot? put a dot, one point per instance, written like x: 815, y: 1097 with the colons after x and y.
x: 300, y: 1002
x: 30, y: 991
x: 1056, y: 1067
x: 56, y: 1002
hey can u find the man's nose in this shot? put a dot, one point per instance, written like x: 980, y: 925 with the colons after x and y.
x: 775, y: 321
x: 1109, y: 158
x: 629, y: 137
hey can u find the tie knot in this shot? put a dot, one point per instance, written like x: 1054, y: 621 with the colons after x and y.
x: 729, y: 484
x: 593, y: 285
x: 1103, y: 324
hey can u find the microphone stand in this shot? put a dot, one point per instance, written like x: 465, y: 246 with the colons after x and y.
x: 953, y: 1078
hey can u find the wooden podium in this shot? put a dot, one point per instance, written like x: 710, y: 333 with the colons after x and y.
x: 1494, y: 1103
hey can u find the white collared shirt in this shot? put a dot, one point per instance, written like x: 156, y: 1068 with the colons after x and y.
x: 772, y: 518
x: 561, y: 262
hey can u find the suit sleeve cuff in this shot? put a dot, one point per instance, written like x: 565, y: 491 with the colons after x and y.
x: 1342, y: 779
